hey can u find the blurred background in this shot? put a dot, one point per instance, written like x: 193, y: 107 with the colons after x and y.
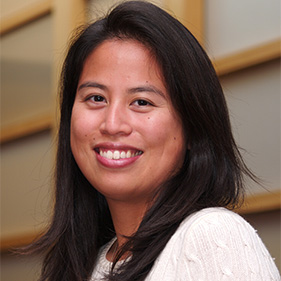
x: 243, y: 39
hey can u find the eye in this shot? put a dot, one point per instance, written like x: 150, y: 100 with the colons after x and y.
x: 96, y: 98
x: 141, y: 103
x: 95, y: 101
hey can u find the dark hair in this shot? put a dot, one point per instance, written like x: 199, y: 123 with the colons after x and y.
x: 211, y: 175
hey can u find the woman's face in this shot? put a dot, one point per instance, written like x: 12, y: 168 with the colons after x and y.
x: 125, y: 135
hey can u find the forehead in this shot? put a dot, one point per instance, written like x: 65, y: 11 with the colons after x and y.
x: 127, y: 49
x: 124, y: 56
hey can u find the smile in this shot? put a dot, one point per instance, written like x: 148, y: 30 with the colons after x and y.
x: 118, y: 154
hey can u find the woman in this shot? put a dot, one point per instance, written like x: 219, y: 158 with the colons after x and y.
x: 146, y: 161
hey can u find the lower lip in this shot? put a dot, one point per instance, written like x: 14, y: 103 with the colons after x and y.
x: 116, y: 163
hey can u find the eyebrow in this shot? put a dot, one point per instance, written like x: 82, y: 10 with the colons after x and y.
x: 91, y: 85
x: 145, y: 88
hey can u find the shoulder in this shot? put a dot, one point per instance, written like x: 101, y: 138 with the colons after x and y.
x: 222, y: 238
x: 216, y: 226
x: 216, y: 243
x: 217, y: 219
x: 214, y: 230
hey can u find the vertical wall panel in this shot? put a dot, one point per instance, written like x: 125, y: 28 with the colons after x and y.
x: 10, y: 6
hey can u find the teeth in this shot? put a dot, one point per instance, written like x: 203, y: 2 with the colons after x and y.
x: 108, y: 155
x: 116, y: 154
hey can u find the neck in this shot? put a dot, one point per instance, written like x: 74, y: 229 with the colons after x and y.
x: 126, y: 218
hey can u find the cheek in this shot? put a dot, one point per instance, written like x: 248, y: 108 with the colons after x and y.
x: 166, y: 134
x: 174, y: 141
x: 80, y: 141
x: 79, y: 129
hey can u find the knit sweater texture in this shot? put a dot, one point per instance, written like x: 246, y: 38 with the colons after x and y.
x: 212, y: 244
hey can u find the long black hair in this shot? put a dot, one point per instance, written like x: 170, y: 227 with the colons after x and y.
x: 211, y: 175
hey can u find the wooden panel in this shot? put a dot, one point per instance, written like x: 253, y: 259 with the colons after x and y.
x: 247, y: 58
x: 26, y: 128
x: 194, y: 15
x: 261, y: 203
x: 16, y: 241
x: 25, y: 15
x: 68, y: 15
x: 190, y: 13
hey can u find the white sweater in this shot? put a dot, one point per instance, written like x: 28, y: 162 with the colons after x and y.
x: 211, y: 245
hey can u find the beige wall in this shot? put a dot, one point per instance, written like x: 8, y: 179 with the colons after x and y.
x: 231, y: 26
x: 19, y: 268
x: 253, y: 97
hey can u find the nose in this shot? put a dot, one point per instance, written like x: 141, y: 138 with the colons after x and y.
x: 116, y: 121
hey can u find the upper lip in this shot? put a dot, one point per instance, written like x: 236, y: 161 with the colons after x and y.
x: 116, y: 146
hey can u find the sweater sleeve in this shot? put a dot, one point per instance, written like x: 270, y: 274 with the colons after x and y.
x: 223, y: 246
